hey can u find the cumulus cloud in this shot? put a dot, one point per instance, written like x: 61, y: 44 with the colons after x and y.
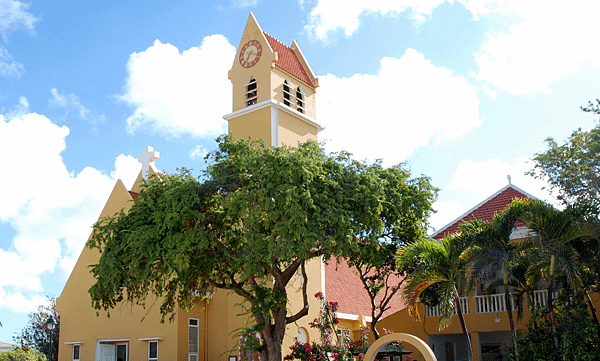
x: 476, y: 181
x: 328, y: 16
x: 50, y: 209
x: 13, y: 16
x: 407, y: 104
x: 176, y: 92
x: 546, y: 42
x: 71, y: 102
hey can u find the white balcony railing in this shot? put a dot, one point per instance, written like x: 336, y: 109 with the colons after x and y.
x: 493, y: 303
x: 437, y: 311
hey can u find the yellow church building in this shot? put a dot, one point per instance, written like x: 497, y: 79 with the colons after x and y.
x: 274, y: 100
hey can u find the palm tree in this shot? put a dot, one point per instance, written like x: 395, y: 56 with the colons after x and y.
x: 442, y: 263
x: 555, y: 233
x: 494, y: 249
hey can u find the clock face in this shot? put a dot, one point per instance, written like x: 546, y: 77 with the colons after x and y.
x: 250, y: 53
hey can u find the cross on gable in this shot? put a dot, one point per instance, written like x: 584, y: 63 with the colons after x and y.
x: 148, y: 157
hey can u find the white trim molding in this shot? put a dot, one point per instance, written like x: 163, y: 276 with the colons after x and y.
x: 74, y: 343
x: 277, y: 105
x: 349, y: 316
x: 150, y: 339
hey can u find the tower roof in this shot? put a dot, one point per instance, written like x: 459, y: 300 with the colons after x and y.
x: 288, y: 60
x: 485, y: 210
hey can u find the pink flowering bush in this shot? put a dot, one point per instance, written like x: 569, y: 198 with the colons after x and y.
x: 330, y: 348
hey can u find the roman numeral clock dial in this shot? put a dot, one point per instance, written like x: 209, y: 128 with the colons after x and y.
x: 250, y: 53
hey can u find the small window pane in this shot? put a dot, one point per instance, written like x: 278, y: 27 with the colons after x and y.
x: 152, y: 350
x: 75, y: 352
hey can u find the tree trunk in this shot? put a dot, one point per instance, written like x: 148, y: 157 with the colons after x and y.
x: 464, y: 327
x: 550, y: 302
x: 508, y: 306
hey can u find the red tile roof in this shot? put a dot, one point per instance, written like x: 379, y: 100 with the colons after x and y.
x: 343, y: 286
x: 288, y: 61
x: 485, y: 210
x: 134, y: 195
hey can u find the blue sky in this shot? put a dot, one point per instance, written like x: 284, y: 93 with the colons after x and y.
x: 463, y: 91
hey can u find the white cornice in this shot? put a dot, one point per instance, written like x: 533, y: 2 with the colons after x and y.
x: 74, y: 343
x: 274, y: 104
x: 349, y: 316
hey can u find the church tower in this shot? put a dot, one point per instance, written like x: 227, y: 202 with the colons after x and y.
x: 273, y: 91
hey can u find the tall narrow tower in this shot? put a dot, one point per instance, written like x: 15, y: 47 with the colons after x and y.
x: 273, y: 91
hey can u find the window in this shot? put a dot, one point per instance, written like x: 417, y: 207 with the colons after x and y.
x: 122, y: 352
x: 193, y: 339
x: 343, y: 336
x: 76, y: 349
x: 287, y: 95
x: 152, y: 350
x: 251, y: 92
x: 299, y: 100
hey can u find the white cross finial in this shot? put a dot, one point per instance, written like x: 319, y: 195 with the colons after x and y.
x: 148, y: 157
x: 509, y: 179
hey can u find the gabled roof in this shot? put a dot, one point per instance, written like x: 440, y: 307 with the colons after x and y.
x: 344, y: 286
x: 485, y: 210
x: 288, y: 60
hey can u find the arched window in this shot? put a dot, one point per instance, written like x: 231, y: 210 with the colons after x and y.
x: 251, y: 92
x: 287, y: 95
x: 299, y: 100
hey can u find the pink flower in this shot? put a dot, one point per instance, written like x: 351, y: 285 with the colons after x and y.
x: 309, y: 349
x: 337, y: 321
x: 409, y: 357
x: 306, y: 345
x: 327, y: 342
x: 361, y: 354
x: 318, y: 295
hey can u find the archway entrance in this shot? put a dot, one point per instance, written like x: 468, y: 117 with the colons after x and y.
x: 421, y: 346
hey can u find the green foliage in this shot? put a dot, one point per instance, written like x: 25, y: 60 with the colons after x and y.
x: 35, y: 335
x: 578, y: 339
x: 20, y: 354
x: 248, y: 225
x: 573, y: 168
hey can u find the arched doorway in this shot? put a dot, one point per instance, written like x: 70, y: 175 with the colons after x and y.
x: 421, y: 346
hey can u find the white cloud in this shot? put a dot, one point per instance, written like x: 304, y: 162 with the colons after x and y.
x: 13, y: 15
x: 71, y: 102
x: 198, y: 153
x: 244, y: 3
x: 446, y: 212
x: 547, y: 41
x: 328, y: 16
x: 50, y: 209
x: 176, y: 93
x: 8, y: 67
x: 407, y: 104
x: 485, y: 178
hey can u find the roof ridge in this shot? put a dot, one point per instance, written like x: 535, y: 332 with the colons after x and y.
x: 478, y: 205
x: 274, y: 38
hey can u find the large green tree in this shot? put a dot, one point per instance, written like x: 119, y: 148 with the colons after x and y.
x: 404, y: 214
x: 573, y: 168
x: 247, y: 225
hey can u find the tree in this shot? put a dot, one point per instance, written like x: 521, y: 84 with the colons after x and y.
x: 35, y: 335
x: 20, y: 354
x: 404, y: 214
x: 495, y: 250
x: 554, y: 233
x: 248, y: 225
x: 573, y: 168
x: 444, y: 265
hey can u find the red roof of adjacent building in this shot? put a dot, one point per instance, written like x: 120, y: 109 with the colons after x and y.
x: 344, y: 286
x: 134, y: 195
x: 288, y: 60
x: 486, y: 210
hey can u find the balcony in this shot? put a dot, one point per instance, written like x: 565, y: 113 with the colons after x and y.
x: 490, y: 304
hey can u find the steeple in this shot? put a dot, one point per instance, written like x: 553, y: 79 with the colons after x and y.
x: 273, y: 90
